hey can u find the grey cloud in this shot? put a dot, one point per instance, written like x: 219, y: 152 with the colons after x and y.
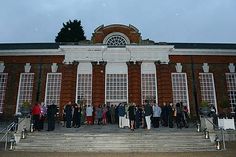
x: 169, y: 20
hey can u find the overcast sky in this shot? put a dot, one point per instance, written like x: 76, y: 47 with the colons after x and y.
x: 159, y: 20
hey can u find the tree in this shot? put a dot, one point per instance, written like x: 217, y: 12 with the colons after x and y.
x: 72, y: 31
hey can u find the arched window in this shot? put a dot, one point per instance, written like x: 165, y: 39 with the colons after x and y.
x: 116, y: 40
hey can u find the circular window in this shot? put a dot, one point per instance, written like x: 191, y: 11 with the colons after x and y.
x: 116, y: 40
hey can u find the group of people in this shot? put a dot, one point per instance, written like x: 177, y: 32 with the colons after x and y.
x: 40, y: 112
x: 152, y: 115
x: 76, y: 114
x: 127, y: 114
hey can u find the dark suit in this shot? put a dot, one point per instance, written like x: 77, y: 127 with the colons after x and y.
x: 68, y: 111
x: 51, y: 112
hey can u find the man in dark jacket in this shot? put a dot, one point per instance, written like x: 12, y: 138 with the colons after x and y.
x: 165, y: 115
x: 68, y: 112
x: 51, y: 113
x: 148, y: 113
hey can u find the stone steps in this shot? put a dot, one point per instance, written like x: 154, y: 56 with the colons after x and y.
x: 115, y: 142
x: 118, y: 149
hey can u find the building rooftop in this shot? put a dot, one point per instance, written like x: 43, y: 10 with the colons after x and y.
x: 203, y: 45
x: 14, y: 46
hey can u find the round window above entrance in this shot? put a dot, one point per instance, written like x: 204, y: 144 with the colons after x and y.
x: 116, y: 39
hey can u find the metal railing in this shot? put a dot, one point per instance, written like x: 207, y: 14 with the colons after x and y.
x: 12, y: 127
x: 221, y: 131
x: 7, y: 130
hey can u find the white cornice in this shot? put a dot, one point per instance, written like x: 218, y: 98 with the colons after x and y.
x: 119, y: 54
x: 150, y: 47
x: 81, y: 47
x: 85, y: 53
x: 100, y: 47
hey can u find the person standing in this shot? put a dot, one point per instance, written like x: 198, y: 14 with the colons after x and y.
x: 138, y: 116
x: 89, y: 114
x: 185, y: 116
x: 51, y: 114
x: 108, y: 114
x: 68, y: 112
x: 79, y: 115
x: 104, y: 114
x: 179, y: 115
x: 174, y: 114
x: 121, y: 114
x: 42, y: 115
x: 148, y: 114
x: 170, y: 115
x: 131, y: 111
x: 76, y: 116
x: 164, y: 115
x: 99, y: 114
x: 113, y: 114
x: 156, y: 115
x: 83, y: 114
x: 36, y: 111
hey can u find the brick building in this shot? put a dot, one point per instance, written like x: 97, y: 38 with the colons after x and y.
x: 116, y: 66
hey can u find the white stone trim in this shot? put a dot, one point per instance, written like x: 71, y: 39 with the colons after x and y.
x: 27, y: 67
x: 178, y: 67
x: 231, y: 68
x: 54, y: 67
x: 103, y: 53
x: 168, y: 49
x: 116, y: 68
x: 85, y: 68
x: 205, y: 68
x: 2, y: 67
x: 148, y: 68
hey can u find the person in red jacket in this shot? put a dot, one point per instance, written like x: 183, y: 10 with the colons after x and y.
x: 36, y: 111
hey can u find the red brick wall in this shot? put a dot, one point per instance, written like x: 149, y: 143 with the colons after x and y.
x: 164, y: 86
x: 98, y: 84
x: 68, y: 85
x: 187, y: 68
x: 218, y: 65
x: 134, y: 82
x: 219, y: 71
x: 14, y: 65
x: 13, y: 70
x: 46, y: 68
x: 202, y: 59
